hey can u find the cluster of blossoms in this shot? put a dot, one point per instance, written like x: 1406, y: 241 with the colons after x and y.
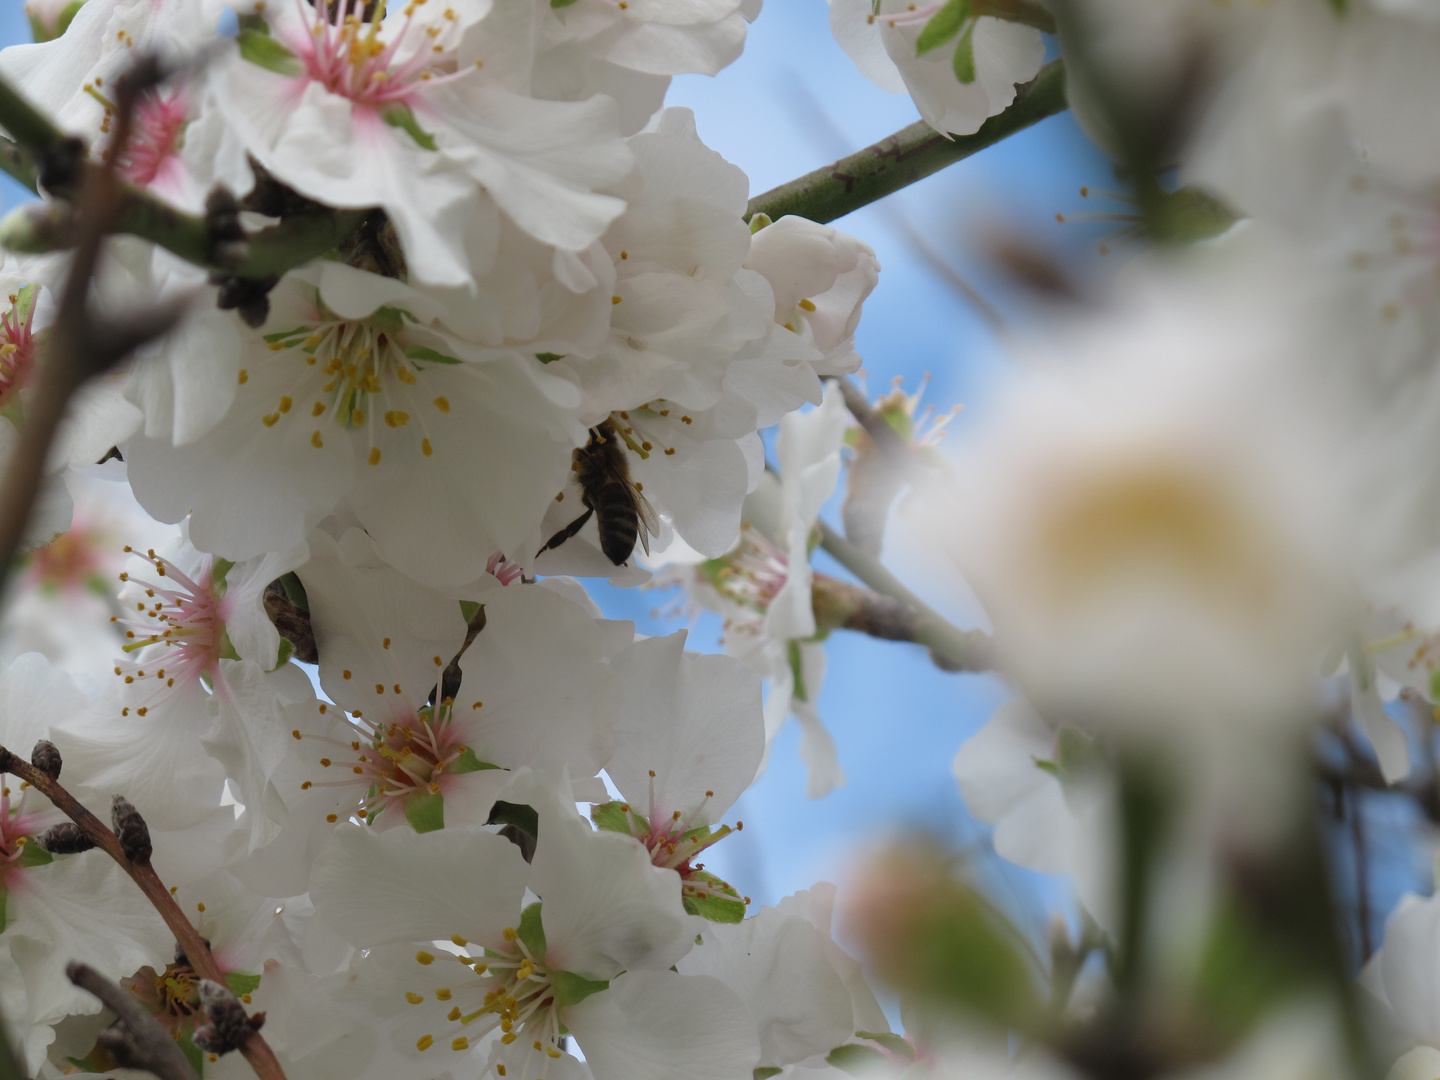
x: 301, y: 578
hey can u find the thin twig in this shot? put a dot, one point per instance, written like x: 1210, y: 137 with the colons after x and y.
x: 911, y: 154
x: 256, y: 1050
x: 950, y: 647
x: 140, y: 1042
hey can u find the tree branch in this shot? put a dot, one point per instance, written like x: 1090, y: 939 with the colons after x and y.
x: 140, y: 1042
x: 256, y: 1050
x: 950, y: 647
x: 911, y: 154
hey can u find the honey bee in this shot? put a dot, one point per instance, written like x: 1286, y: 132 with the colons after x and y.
x: 622, y: 514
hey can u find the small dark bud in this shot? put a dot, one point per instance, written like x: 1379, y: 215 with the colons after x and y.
x: 228, y: 245
x: 46, y: 758
x: 130, y: 828
x: 229, y: 1027
x: 64, y: 839
x: 7, y: 759
x: 60, y: 166
x: 247, y: 297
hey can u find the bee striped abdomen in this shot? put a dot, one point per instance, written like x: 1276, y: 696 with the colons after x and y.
x: 616, y: 518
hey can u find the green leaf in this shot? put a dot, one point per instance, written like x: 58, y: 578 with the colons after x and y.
x: 532, y: 931
x: 943, y: 26
x: 34, y: 855
x: 295, y: 591
x: 561, y: 3
x: 241, y: 984
x: 264, y: 51
x: 256, y: 23
x: 727, y: 908
x: 469, y: 609
x: 965, y: 56
x: 468, y: 762
x: 399, y: 115
x: 549, y: 357
x: 283, y: 654
x: 613, y: 817
x: 856, y: 1059
x: 894, y: 1043
x: 521, y: 816
x: 426, y: 811
x: 767, y: 1071
x: 420, y: 352
x: 571, y: 989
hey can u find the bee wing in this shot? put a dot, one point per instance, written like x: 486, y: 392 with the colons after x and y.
x: 649, y: 520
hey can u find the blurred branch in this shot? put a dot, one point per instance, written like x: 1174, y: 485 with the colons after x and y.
x: 950, y: 647
x: 297, y: 239
x: 80, y: 347
x: 910, y: 155
x: 136, y: 1038
x: 128, y: 844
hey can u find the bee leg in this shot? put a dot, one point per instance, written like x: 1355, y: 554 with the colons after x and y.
x: 567, y: 532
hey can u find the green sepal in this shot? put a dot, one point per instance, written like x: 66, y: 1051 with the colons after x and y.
x: 856, y: 1059
x: 549, y: 357
x: 613, y: 817
x: 571, y: 989
x: 519, y: 815
x: 34, y: 855
x: 286, y: 335
x: 399, y: 115
x: 295, y: 591
x: 561, y: 3
x: 264, y: 51
x: 193, y: 1053
x: 25, y: 301
x: 943, y: 26
x: 797, y: 670
x: 892, y: 1042
x: 426, y: 811
x: 767, y: 1071
x: 964, y: 62
x: 759, y: 221
x: 283, y: 653
x: 420, y: 352
x: 241, y: 984
x: 389, y: 319
x: 62, y: 22
x: 729, y: 908
x: 469, y: 609
x: 532, y: 930
x: 468, y: 762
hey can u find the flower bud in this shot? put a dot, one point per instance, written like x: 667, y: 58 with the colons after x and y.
x: 50, y: 18
x: 131, y: 829
x: 36, y: 228
x: 66, y: 838
x: 46, y: 758
x: 229, y: 1026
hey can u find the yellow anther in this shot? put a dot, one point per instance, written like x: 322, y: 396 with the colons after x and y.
x: 443, y: 404
x: 244, y: 376
x: 315, y: 441
x: 285, y: 404
x: 269, y: 419
x: 614, y: 299
x: 453, y: 1014
x: 509, y: 934
x: 807, y: 305
x: 460, y: 1043
x: 414, y: 998
x: 374, y: 455
x: 423, y: 957
x: 443, y: 994
x: 317, y: 409
x: 426, y: 448
x: 508, y: 1038
x: 396, y: 418
x: 424, y: 1042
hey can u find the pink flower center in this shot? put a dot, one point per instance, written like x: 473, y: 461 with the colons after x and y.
x: 503, y: 570
x: 17, y: 350
x: 16, y: 829
x: 156, y: 137
x: 754, y: 573
x: 675, y: 839
x: 184, y: 617
x: 68, y: 562
x: 345, y: 53
x: 391, y: 762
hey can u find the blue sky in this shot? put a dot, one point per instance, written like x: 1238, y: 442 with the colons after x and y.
x: 792, y: 103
